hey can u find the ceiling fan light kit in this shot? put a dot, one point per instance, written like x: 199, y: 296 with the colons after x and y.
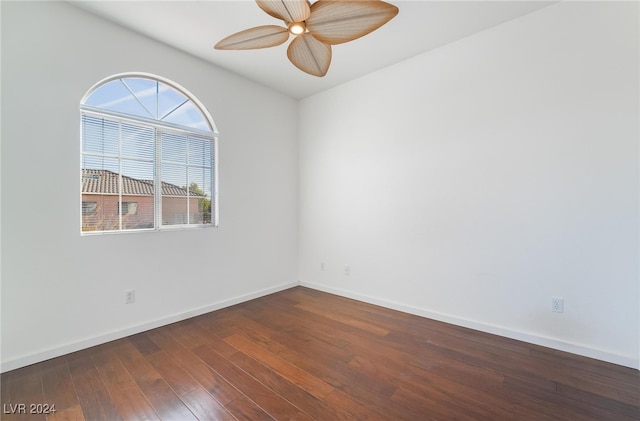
x: 297, y: 28
x: 316, y: 28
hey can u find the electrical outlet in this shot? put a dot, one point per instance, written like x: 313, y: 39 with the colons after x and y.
x: 347, y: 270
x: 130, y: 296
x: 557, y: 304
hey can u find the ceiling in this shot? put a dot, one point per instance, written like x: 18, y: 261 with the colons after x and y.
x: 195, y: 26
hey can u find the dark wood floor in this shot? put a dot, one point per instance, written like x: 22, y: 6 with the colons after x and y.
x: 305, y: 355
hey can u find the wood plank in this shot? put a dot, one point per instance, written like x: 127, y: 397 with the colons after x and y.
x: 289, y: 371
x: 319, y: 409
x: 209, y: 336
x: 161, y: 397
x: 73, y: 413
x: 301, y: 416
x: 477, y: 402
x: 267, y: 399
x: 275, y: 340
x: 630, y: 397
x: 341, y: 377
x: 533, y: 408
x: 205, y: 407
x: 175, y: 376
x: 243, y: 409
x: 342, y: 318
x: 26, y: 389
x: 599, y: 402
x: 125, y: 393
x: 92, y: 393
x: 528, y: 394
x: 430, y: 407
x: 284, y: 329
x: 600, y: 383
x: 212, y: 382
x: 58, y: 387
x: 5, y: 396
x: 356, y: 410
x: 144, y: 345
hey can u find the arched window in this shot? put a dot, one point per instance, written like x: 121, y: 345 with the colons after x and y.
x: 148, y: 157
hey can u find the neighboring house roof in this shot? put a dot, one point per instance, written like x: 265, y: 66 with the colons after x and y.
x: 106, y: 182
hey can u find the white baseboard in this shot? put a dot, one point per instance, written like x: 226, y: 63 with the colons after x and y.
x: 548, y: 342
x: 118, y: 334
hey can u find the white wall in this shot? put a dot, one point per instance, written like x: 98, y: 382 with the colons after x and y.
x: 476, y: 181
x: 61, y: 291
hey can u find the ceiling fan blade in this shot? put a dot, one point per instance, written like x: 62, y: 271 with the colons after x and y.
x: 335, y: 22
x: 254, y: 38
x: 310, y: 55
x: 287, y: 10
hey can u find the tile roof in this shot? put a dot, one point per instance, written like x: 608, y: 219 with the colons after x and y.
x: 106, y: 182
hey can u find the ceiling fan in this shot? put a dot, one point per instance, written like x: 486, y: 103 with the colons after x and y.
x: 316, y: 28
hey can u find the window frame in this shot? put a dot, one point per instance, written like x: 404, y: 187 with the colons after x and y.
x: 159, y: 127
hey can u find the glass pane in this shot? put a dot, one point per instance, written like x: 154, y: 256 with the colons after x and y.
x: 174, y: 179
x: 100, y: 175
x: 168, y: 100
x: 200, y: 196
x: 188, y: 115
x: 146, y: 91
x: 137, y: 194
x: 200, y: 151
x: 174, y: 194
x: 174, y: 211
x: 100, y: 185
x: 115, y: 96
x: 138, y: 141
x: 200, y: 181
x: 174, y: 148
x: 137, y: 177
x: 100, y: 135
x: 103, y: 215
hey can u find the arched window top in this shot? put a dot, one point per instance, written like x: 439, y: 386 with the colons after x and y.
x: 149, y: 97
